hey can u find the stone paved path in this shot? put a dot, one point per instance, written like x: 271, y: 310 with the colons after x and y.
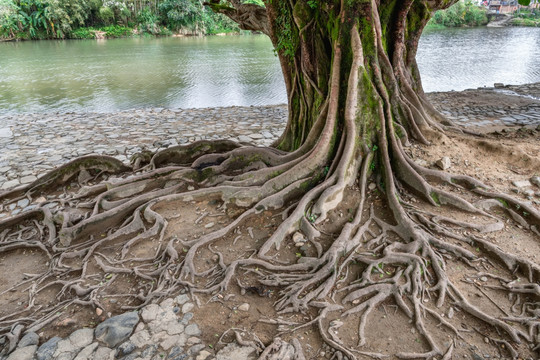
x: 32, y: 144
x: 164, y: 331
x: 491, y: 108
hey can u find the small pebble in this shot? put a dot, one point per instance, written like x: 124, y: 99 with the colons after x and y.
x: 244, y: 307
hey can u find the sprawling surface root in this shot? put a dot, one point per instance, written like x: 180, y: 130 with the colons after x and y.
x: 371, y: 262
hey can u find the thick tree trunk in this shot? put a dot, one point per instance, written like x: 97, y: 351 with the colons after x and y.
x: 316, y: 43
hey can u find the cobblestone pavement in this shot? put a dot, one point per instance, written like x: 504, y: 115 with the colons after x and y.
x: 164, y: 331
x: 489, y: 108
x: 32, y: 144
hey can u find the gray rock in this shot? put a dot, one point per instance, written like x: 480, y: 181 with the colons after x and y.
x: 46, y: 351
x: 115, y: 330
x: 86, y: 352
x: 203, y: 355
x: 192, y: 330
x: 298, y: 237
x: 182, y: 299
x: 134, y: 356
x: 175, y: 328
x: 81, y: 338
x: 23, y: 353
x: 125, y: 348
x: 103, y: 352
x: 9, y: 184
x: 234, y: 351
x: 29, y: 339
x: 196, y: 348
x: 23, y: 203
x: 149, y: 351
x: 150, y: 312
x: 5, y: 133
x: 444, y: 163
x: 170, y: 341
x: 535, y: 179
x: 177, y: 353
x: 521, y: 183
x: 244, y: 307
x: 187, y: 317
x: 140, y: 338
x: 28, y: 179
x: 187, y: 307
x: 243, y: 138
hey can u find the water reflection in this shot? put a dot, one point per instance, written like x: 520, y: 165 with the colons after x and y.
x: 458, y: 59
x: 112, y: 75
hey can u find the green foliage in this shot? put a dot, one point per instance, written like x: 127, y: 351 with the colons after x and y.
x: 65, y: 15
x: 460, y: 14
x: 106, y: 14
x: 81, y: 19
x: 525, y: 22
x: 8, y: 18
x: 287, y: 41
x: 116, y: 31
x: 148, y: 22
x: 82, y: 33
x: 255, y: 2
x: 529, y: 18
x: 189, y: 16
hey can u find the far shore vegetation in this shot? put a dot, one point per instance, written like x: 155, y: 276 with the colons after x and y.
x: 94, y: 19
x: 90, y: 19
x: 462, y: 14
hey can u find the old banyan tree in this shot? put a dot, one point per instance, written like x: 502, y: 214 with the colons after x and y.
x: 414, y: 244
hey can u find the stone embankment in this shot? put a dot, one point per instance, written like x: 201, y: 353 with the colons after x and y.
x: 489, y: 109
x: 32, y: 144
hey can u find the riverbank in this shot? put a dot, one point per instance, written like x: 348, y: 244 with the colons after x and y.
x: 176, y: 324
x: 36, y: 143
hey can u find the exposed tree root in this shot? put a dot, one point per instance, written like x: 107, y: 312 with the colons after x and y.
x: 416, y: 250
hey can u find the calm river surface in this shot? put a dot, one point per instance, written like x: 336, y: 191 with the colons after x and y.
x: 112, y: 75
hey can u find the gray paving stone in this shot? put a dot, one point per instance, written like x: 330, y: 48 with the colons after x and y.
x: 115, y: 330
x: 46, y: 351
x: 10, y: 184
x: 5, y: 133
x: 29, y: 339
x: 192, y: 330
x: 23, y: 353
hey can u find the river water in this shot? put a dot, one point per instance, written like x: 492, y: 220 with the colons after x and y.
x: 120, y: 74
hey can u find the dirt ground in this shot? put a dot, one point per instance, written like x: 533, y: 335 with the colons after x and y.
x: 497, y: 159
